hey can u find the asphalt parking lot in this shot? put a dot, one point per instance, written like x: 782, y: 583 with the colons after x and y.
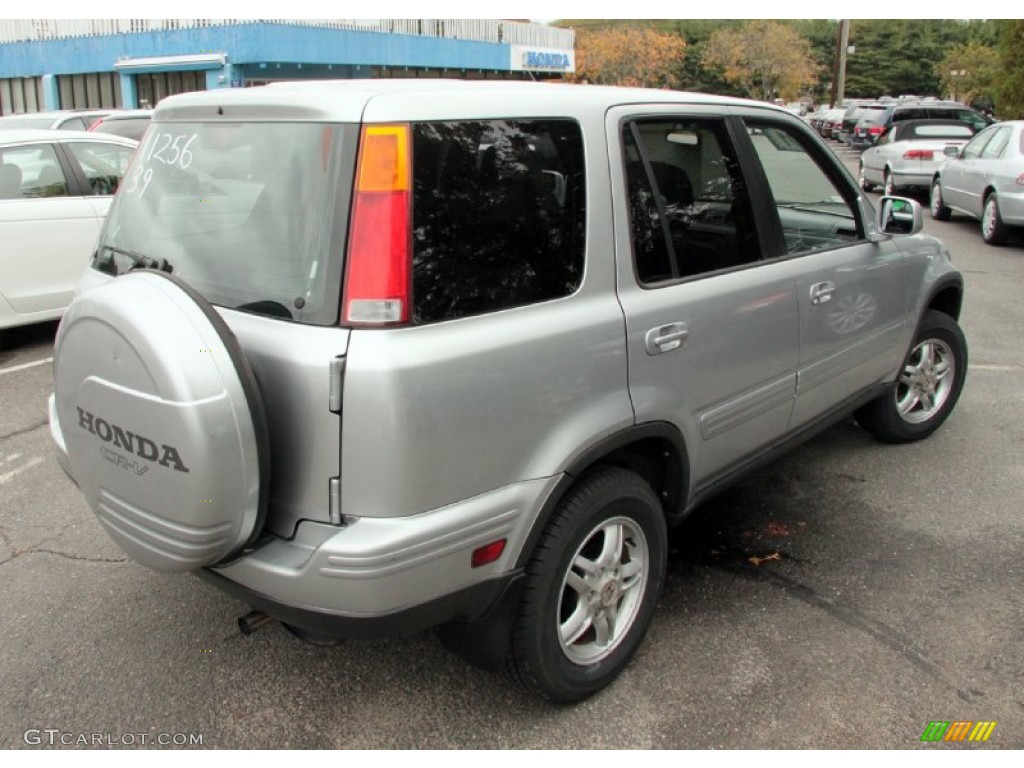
x: 844, y: 596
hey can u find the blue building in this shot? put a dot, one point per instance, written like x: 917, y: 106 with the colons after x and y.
x: 98, y: 63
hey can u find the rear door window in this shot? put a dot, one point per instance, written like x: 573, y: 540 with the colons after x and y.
x: 499, y: 213
x: 31, y: 171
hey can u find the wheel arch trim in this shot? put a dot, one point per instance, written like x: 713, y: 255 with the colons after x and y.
x: 612, y: 449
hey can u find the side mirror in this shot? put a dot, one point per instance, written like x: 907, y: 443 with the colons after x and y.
x: 899, y: 216
x: 951, y: 151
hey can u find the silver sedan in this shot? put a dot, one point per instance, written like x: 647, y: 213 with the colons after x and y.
x: 985, y: 181
x: 909, y: 152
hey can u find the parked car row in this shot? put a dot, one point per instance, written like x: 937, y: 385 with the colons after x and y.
x: 861, y: 124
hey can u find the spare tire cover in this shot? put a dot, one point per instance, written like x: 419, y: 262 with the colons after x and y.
x: 163, y: 422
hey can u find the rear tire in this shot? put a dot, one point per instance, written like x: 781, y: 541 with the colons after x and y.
x: 590, y: 588
x: 889, y: 186
x: 866, y: 185
x: 928, y: 386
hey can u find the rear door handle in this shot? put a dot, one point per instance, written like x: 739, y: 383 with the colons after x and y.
x: 821, y: 293
x: 665, y: 338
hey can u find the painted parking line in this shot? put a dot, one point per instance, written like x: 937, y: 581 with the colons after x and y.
x: 4, y: 478
x: 25, y: 366
x: 997, y: 368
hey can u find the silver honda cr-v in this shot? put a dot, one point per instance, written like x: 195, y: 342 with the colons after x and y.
x: 376, y: 356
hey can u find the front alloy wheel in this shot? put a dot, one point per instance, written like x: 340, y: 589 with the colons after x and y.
x: 926, y: 382
x: 590, y: 588
x: 936, y: 205
x: 928, y: 387
x: 993, y: 231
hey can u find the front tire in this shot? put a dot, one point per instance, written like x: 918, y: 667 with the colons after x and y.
x: 993, y: 230
x: 936, y: 205
x: 591, y: 587
x: 928, y: 386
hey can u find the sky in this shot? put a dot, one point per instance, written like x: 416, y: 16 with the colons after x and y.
x: 526, y: 9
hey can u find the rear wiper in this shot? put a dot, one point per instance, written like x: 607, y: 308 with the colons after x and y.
x: 141, y: 261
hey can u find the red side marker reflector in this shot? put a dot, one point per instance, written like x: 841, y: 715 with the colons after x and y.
x: 488, y: 553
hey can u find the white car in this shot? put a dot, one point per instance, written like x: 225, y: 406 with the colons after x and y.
x: 55, y: 189
x: 909, y: 152
x: 60, y: 119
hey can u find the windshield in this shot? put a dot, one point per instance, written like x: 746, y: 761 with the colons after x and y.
x: 247, y: 213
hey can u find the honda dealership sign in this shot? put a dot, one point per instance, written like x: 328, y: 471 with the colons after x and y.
x: 527, y: 58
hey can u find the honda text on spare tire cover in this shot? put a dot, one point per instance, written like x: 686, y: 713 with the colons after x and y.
x: 380, y: 356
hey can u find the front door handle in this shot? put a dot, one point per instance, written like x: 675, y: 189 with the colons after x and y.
x: 665, y: 338
x: 821, y: 293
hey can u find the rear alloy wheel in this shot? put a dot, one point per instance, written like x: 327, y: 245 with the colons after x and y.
x: 936, y: 205
x: 590, y: 590
x: 993, y: 231
x: 928, y: 387
x: 866, y: 185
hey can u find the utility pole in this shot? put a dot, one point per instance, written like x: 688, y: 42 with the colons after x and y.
x: 839, y: 64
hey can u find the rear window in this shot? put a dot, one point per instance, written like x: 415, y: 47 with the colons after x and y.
x: 247, y: 213
x: 133, y: 128
x: 938, y: 132
x: 18, y: 124
x: 498, y: 215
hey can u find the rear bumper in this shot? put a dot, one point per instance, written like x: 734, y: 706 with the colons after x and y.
x: 466, y: 605
x: 375, y: 571
x: 914, y: 173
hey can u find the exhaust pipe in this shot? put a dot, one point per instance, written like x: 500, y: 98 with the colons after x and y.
x: 253, y: 621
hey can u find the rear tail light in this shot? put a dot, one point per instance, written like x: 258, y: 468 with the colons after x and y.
x: 1020, y: 180
x: 875, y: 130
x: 918, y: 154
x: 377, y: 274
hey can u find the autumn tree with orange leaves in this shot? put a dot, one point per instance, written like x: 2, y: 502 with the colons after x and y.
x: 764, y: 58
x: 628, y: 55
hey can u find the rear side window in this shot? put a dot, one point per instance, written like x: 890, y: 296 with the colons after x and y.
x: 498, y: 215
